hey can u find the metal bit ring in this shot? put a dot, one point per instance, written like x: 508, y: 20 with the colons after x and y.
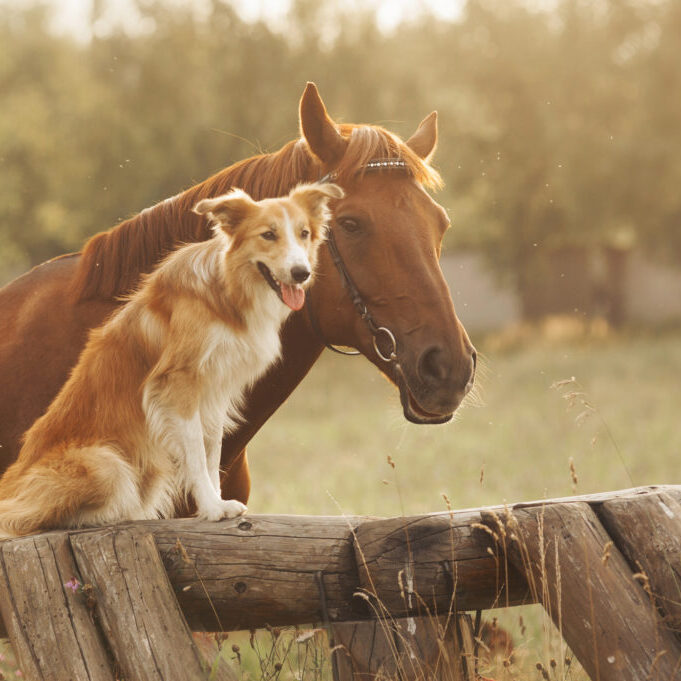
x: 392, y: 357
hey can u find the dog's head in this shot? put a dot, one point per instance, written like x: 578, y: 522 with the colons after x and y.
x: 280, y: 237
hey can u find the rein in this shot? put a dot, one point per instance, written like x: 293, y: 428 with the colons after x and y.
x: 374, y: 327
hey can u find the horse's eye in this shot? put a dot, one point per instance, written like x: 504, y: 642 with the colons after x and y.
x: 269, y: 236
x: 349, y: 224
x: 304, y: 233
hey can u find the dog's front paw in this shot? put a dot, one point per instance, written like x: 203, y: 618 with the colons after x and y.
x: 224, y: 508
x: 231, y: 508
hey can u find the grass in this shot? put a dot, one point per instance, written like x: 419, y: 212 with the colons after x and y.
x: 326, y: 449
x: 531, y: 435
x: 326, y: 452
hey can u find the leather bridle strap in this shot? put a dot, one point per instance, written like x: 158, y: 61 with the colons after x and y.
x: 359, y: 305
x: 355, y: 296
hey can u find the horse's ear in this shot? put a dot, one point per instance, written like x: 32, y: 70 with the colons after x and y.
x: 227, y: 211
x: 318, y: 129
x: 424, y: 140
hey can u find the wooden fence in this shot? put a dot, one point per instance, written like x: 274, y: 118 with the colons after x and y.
x: 606, y: 567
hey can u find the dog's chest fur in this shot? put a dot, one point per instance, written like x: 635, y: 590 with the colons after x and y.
x: 233, y: 360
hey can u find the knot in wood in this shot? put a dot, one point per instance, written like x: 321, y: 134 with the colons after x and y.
x: 245, y: 525
x: 240, y: 587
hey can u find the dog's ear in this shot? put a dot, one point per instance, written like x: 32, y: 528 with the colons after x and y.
x: 314, y: 199
x: 227, y: 211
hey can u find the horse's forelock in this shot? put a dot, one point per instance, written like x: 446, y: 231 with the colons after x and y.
x: 370, y: 142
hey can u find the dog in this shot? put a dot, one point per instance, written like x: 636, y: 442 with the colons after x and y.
x: 138, y: 425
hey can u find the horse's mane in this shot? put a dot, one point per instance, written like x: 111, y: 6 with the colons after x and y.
x: 113, y: 261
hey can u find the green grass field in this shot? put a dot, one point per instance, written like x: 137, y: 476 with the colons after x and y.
x: 325, y: 451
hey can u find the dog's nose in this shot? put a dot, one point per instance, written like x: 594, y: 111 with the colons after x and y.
x: 300, y: 274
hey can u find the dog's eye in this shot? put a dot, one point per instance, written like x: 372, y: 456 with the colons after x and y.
x: 305, y: 233
x: 269, y: 235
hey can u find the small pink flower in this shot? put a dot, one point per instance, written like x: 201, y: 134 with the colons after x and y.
x: 18, y: 672
x: 2, y: 657
x: 73, y: 584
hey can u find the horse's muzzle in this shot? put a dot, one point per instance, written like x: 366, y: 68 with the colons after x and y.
x: 434, y: 390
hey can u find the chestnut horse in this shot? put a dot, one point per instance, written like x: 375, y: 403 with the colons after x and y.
x: 383, y: 262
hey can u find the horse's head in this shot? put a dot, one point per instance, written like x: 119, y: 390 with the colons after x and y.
x: 383, y: 257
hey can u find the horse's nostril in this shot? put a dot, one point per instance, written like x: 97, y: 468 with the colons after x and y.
x: 300, y: 274
x: 471, y: 378
x: 433, y: 365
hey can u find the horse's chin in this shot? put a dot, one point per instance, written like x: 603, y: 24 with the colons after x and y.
x: 414, y: 413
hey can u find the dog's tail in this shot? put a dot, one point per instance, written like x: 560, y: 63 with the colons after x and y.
x: 78, y: 487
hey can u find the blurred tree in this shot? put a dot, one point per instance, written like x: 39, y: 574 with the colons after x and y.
x: 656, y: 163
x: 548, y: 137
x: 559, y: 129
x: 41, y: 161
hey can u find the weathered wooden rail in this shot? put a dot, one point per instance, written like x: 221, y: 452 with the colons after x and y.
x: 606, y: 567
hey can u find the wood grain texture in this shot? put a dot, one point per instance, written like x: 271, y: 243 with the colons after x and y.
x: 648, y: 532
x: 260, y: 570
x: 51, y: 627
x: 602, y: 611
x: 436, y: 564
x: 136, y: 606
x: 410, y: 649
x: 596, y: 498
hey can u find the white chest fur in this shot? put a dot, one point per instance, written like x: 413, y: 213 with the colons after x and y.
x: 232, y: 361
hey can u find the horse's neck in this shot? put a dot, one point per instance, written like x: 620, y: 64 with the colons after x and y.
x: 113, y: 261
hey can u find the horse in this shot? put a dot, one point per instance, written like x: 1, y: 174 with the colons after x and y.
x: 379, y: 288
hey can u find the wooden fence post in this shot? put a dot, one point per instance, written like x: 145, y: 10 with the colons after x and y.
x: 412, y: 575
x: 648, y: 532
x: 50, y: 626
x: 406, y: 649
x: 136, y: 605
x: 589, y: 591
x: 416, y: 566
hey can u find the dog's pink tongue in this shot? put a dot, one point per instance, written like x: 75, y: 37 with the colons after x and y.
x: 294, y: 296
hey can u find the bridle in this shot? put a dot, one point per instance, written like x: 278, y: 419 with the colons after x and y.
x: 360, y: 306
x: 376, y: 330
x: 374, y: 327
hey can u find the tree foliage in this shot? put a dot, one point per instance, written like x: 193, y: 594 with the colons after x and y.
x: 558, y: 128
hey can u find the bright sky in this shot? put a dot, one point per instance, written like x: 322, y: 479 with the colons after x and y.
x: 72, y: 15
x: 389, y: 12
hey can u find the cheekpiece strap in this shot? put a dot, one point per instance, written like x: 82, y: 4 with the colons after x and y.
x: 349, y: 284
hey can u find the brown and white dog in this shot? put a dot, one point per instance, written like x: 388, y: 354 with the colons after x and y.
x: 139, y: 423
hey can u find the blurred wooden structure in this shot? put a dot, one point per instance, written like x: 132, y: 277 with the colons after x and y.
x: 605, y: 567
x: 582, y: 285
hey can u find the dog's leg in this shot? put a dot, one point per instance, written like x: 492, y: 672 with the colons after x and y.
x: 183, y: 439
x: 194, y: 461
x: 171, y: 398
x: 212, y: 440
